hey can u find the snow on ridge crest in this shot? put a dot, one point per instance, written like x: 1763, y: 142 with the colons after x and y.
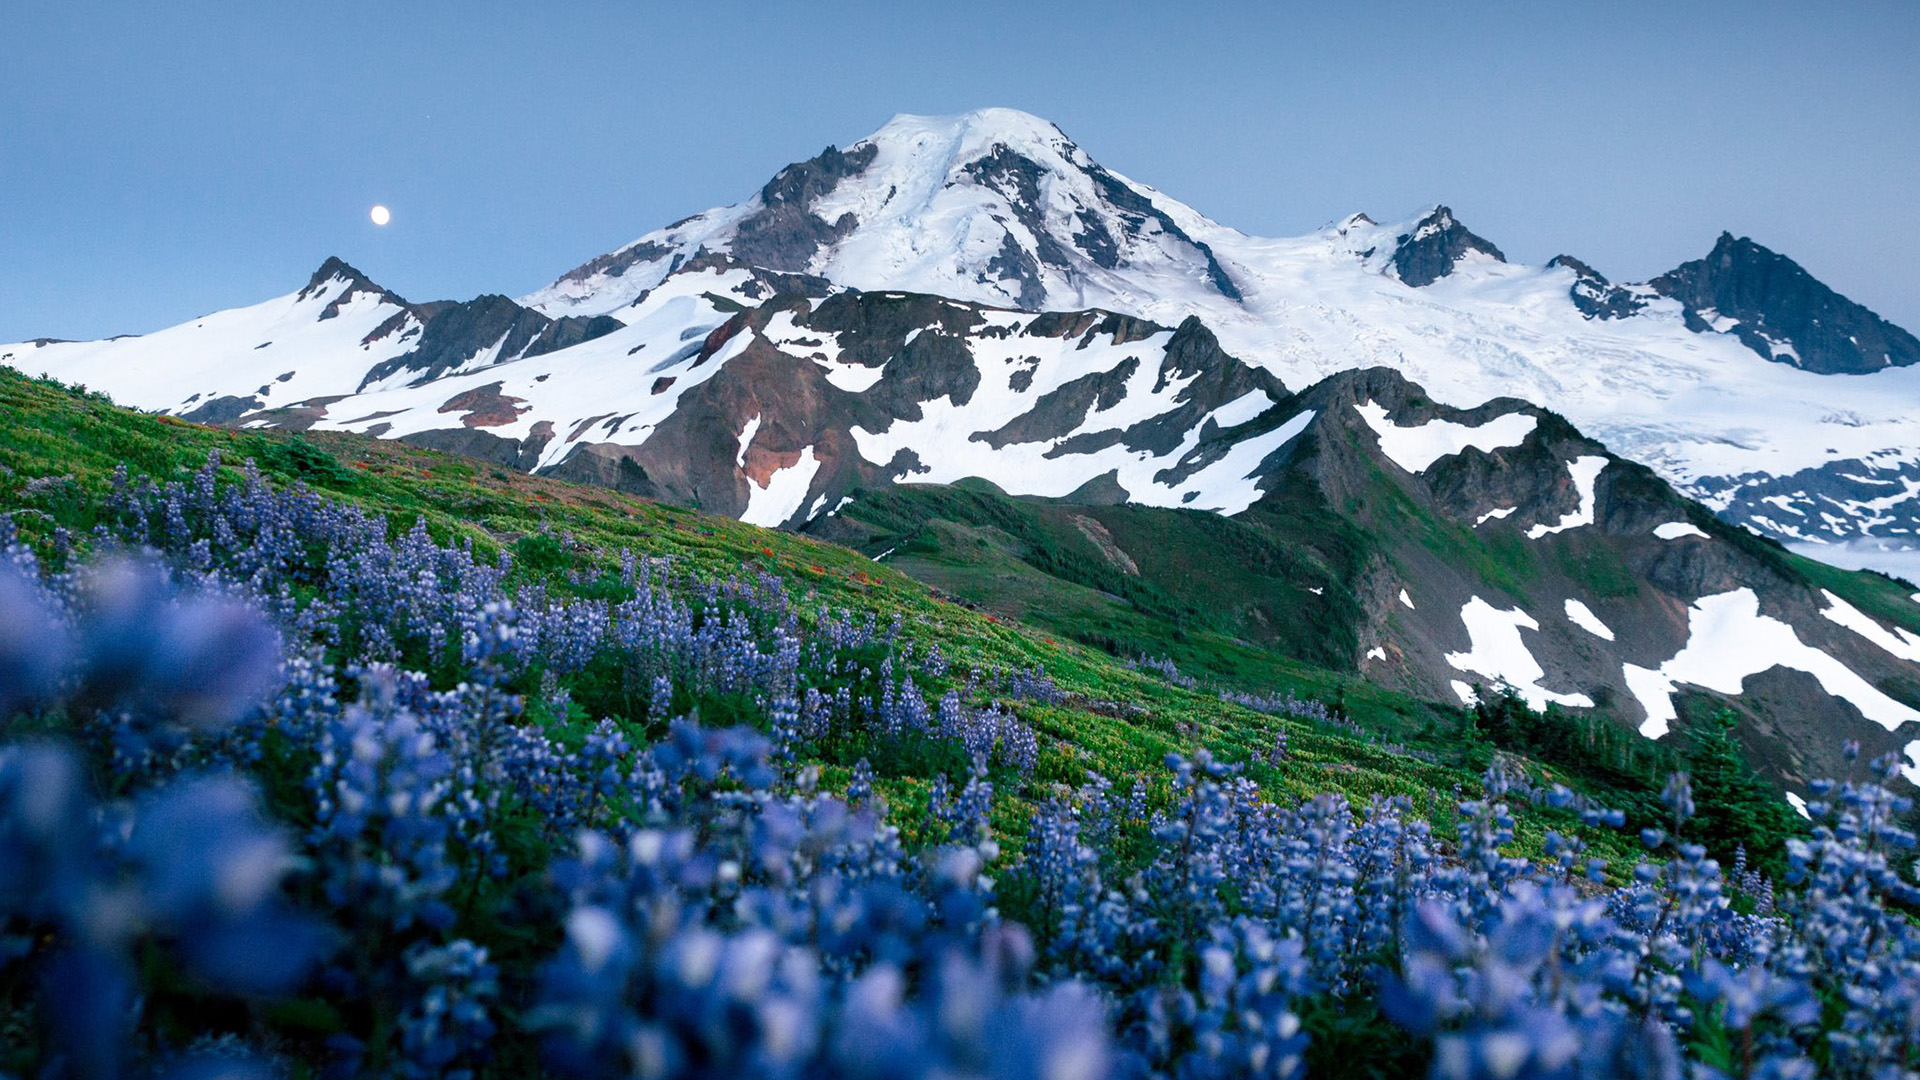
x: 1416, y: 447
x: 974, y: 130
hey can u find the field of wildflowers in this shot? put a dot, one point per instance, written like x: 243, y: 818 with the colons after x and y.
x: 288, y: 787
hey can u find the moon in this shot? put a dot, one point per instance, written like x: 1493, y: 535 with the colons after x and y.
x: 380, y: 215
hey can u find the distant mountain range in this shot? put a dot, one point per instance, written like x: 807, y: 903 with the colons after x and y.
x: 974, y: 301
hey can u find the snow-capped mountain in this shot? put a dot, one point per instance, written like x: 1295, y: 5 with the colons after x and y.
x: 995, y: 206
x: 975, y: 299
x: 1716, y: 373
x: 1738, y: 376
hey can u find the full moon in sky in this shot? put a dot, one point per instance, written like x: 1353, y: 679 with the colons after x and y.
x: 380, y: 215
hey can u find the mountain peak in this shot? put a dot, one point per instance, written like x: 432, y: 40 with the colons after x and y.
x: 1434, y: 244
x: 996, y: 206
x: 1729, y: 248
x: 336, y: 269
x: 1782, y: 312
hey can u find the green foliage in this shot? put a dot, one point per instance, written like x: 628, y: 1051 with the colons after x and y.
x: 1734, y: 806
x: 543, y: 554
x: 1348, y: 1037
x: 1133, y: 580
x: 1596, y: 565
x: 302, y: 460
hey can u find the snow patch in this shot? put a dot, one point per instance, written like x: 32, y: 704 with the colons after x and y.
x: 746, y: 439
x: 1727, y: 641
x: 1417, y: 447
x: 1900, y: 642
x: 1799, y: 805
x: 1583, y: 617
x: 1490, y: 515
x: 1466, y: 692
x: 784, y: 493
x: 1585, y: 471
x: 1674, y: 530
x: 1242, y: 409
x: 1499, y: 654
x: 1407, y: 600
x: 853, y: 378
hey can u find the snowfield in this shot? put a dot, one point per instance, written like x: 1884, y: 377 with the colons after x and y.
x: 1728, y: 641
x: 781, y: 497
x: 283, y: 351
x: 1499, y: 654
x: 1899, y: 641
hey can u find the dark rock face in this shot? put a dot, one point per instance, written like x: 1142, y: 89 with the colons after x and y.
x: 449, y: 333
x: 1782, y: 311
x: 785, y: 233
x: 1437, y: 544
x: 764, y: 284
x: 1059, y: 411
x: 520, y: 454
x: 222, y: 410
x: 1192, y: 352
x: 1594, y: 295
x: 485, y: 406
x: 457, y: 332
x: 1437, y: 242
x: 874, y: 327
x: 1016, y: 178
x: 1193, y: 349
x: 1012, y: 263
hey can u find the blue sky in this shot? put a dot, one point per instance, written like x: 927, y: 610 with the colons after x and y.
x: 159, y: 161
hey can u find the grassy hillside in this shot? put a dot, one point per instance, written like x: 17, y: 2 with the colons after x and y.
x: 59, y: 450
